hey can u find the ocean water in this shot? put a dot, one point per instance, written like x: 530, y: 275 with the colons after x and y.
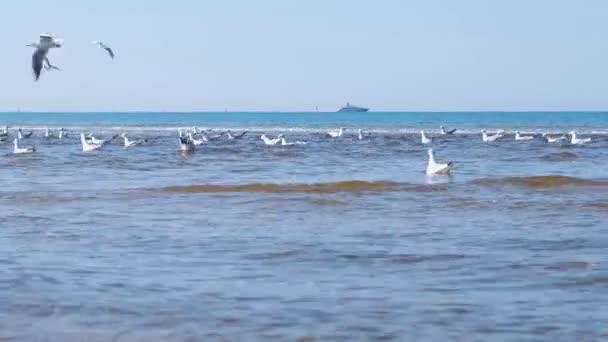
x: 335, y: 239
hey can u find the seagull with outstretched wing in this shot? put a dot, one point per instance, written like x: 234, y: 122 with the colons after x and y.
x: 39, y: 58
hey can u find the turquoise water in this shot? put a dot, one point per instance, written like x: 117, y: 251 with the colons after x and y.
x: 337, y: 239
x: 371, y: 119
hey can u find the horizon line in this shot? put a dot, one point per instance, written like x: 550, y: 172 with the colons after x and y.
x: 301, y: 112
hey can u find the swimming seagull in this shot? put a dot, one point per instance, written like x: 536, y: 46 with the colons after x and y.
x: 424, y: 138
x: 551, y: 139
x: 42, y: 49
x: 233, y: 137
x: 62, y: 133
x: 490, y: 138
x: 269, y: 141
x: 185, y: 145
x: 5, y: 132
x: 20, y: 134
x: 88, y: 146
x: 434, y: 168
x: 444, y: 132
x: 99, y: 141
x: 22, y: 149
x: 285, y: 143
x: 578, y: 141
x: 131, y: 143
x: 196, y: 142
x: 520, y: 137
x: 336, y: 134
x: 47, y: 133
x: 105, y: 47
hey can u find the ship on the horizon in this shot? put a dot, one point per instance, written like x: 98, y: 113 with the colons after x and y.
x: 351, y: 108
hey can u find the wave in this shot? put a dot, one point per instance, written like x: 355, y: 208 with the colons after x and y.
x: 561, y: 156
x: 321, y: 188
x: 550, y: 181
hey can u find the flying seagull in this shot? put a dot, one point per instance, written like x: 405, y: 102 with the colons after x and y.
x: 42, y: 49
x: 105, y: 47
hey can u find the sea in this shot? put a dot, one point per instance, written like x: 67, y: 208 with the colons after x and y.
x: 329, y: 239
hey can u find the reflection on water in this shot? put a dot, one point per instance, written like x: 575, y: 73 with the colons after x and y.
x: 333, y: 240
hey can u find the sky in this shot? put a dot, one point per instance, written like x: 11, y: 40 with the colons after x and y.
x: 297, y: 55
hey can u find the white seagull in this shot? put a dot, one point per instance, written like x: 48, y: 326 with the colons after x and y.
x: 88, y: 146
x: 336, y: 134
x: 271, y: 142
x: 578, y: 141
x: 22, y: 149
x: 434, y: 168
x: 131, y: 143
x: 48, y: 133
x: 62, y: 133
x: 444, y: 132
x: 360, y: 134
x: 551, y: 139
x: 105, y: 47
x: 490, y: 138
x: 520, y: 137
x: 99, y: 141
x: 285, y: 143
x: 195, y: 141
x: 40, y: 55
x: 233, y: 137
x: 424, y: 138
x: 20, y: 134
x: 4, y: 133
x: 185, y: 145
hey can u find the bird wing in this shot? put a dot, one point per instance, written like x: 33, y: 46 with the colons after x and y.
x: 110, y: 52
x: 45, y: 38
x: 37, y: 62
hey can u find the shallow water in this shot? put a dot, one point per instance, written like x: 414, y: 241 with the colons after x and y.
x: 338, y: 239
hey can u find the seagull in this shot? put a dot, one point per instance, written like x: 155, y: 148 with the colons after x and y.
x: 490, y: 138
x: 62, y: 133
x: 42, y: 49
x: 444, y: 132
x: 5, y: 132
x: 520, y: 137
x: 578, y: 141
x: 285, y: 143
x: 233, y: 137
x: 48, y: 133
x: 99, y: 141
x: 336, y: 134
x: 22, y: 149
x: 551, y: 139
x: 185, y: 145
x: 105, y: 47
x: 360, y: 134
x: 88, y: 146
x: 434, y: 168
x: 196, y: 142
x: 131, y: 143
x: 424, y: 139
x: 269, y: 141
x: 20, y: 134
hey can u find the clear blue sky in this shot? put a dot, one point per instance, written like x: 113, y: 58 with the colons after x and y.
x: 294, y: 55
